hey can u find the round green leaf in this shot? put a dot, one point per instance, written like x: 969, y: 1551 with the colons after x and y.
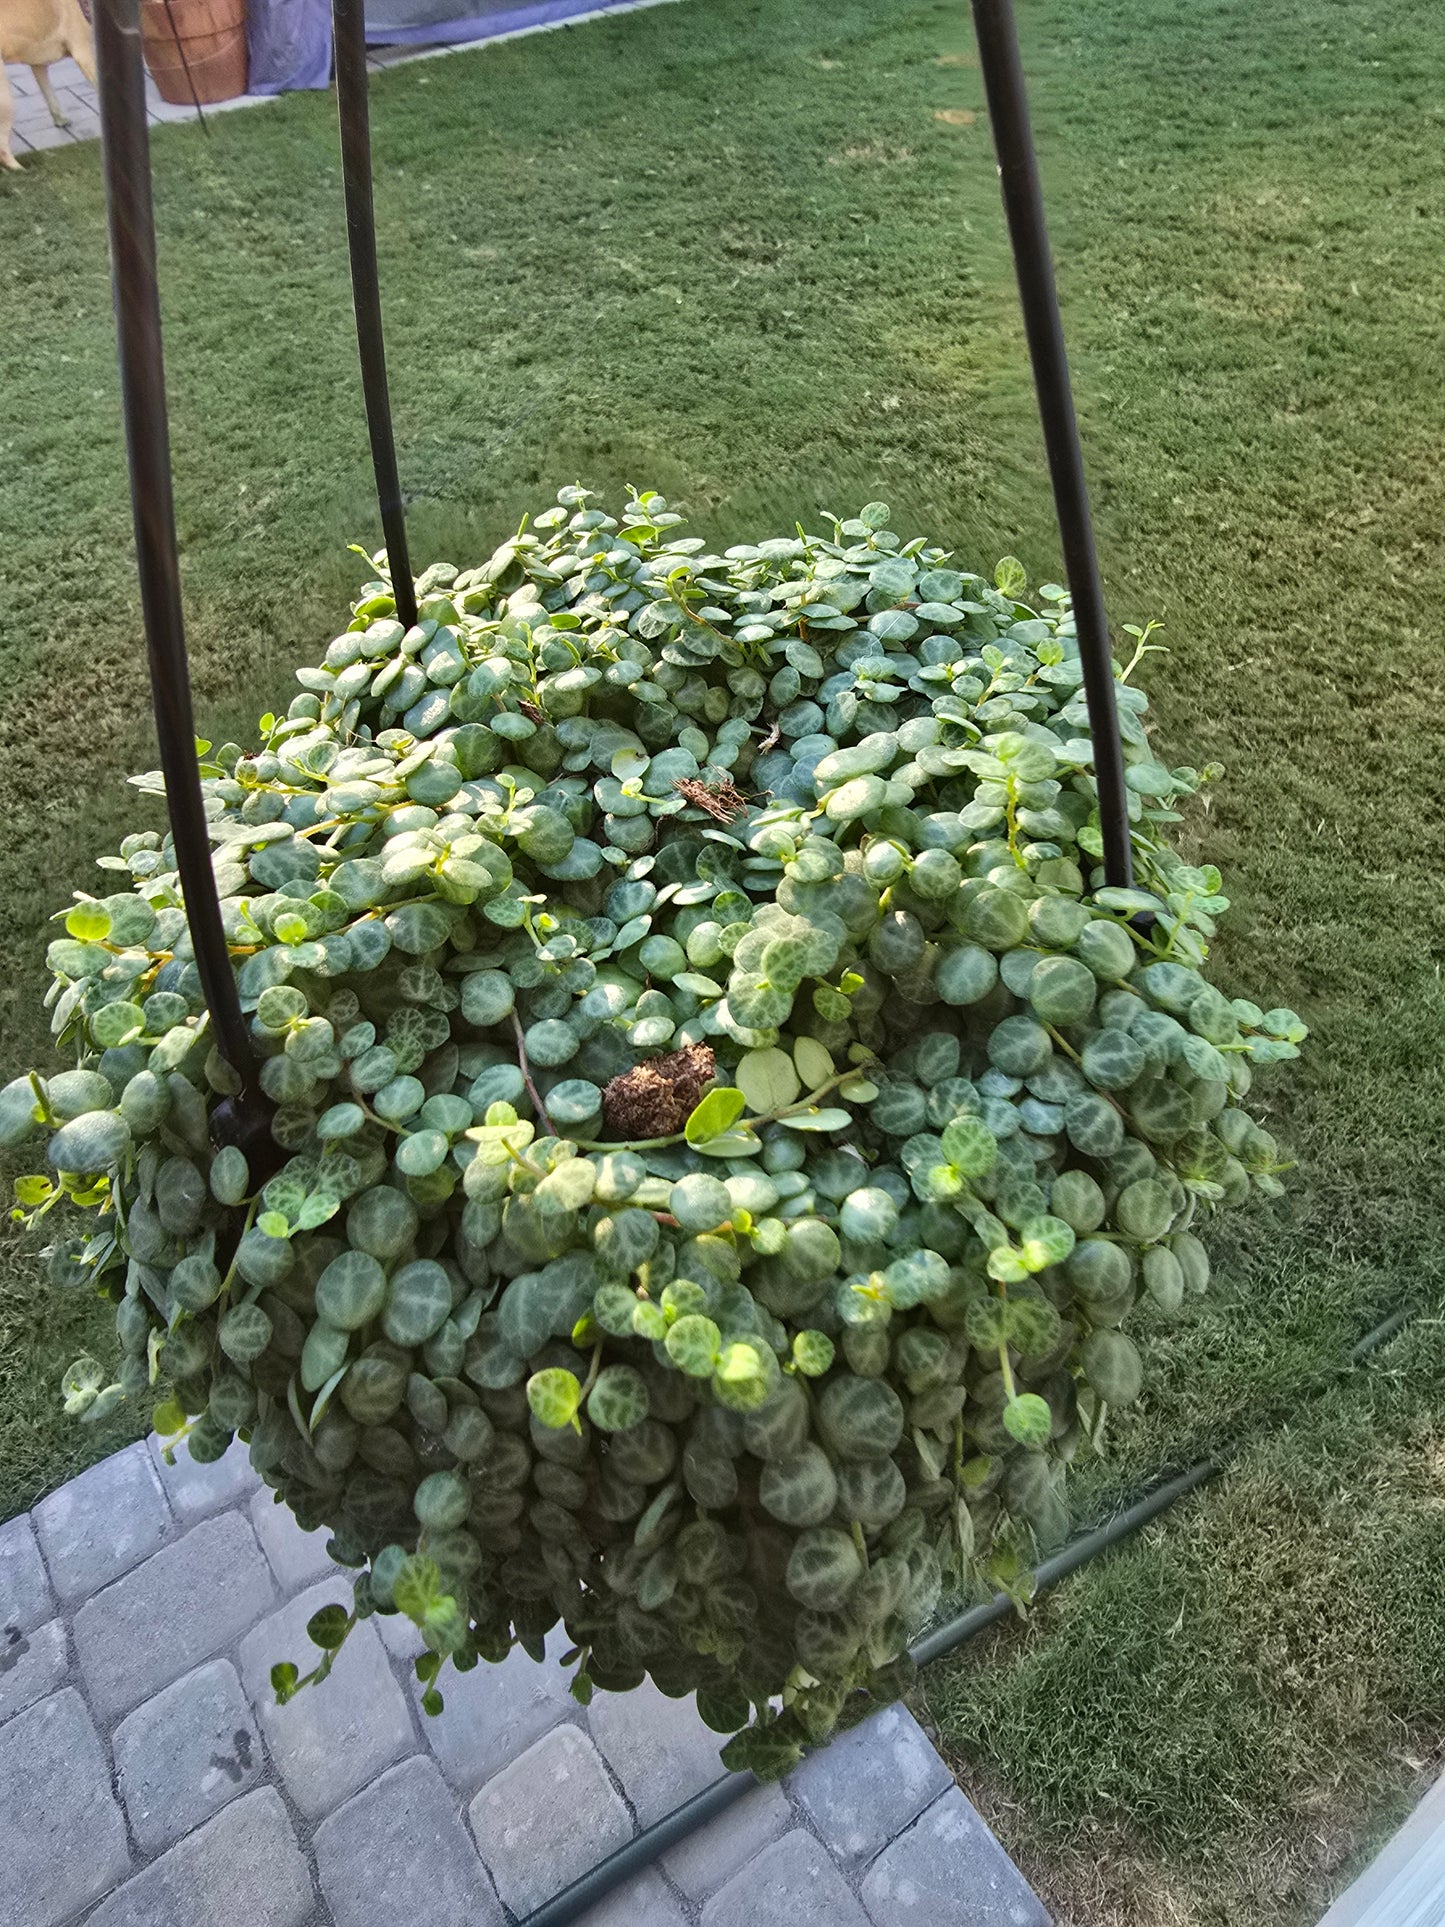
x: 554, y: 1396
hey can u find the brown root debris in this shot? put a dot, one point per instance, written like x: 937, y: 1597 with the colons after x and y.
x: 657, y: 1098
x: 724, y: 801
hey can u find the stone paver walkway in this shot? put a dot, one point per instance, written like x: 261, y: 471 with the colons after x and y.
x: 148, y: 1779
x: 35, y: 130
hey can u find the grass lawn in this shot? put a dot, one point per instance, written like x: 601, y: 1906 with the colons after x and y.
x: 730, y: 249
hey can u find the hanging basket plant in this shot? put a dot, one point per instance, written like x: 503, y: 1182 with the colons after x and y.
x: 721, y: 1126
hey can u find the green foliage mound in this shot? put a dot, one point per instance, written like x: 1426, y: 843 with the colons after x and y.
x: 722, y: 1125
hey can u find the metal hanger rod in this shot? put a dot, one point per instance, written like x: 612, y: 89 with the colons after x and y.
x: 125, y: 151
x: 1008, y: 108
x: 348, y: 23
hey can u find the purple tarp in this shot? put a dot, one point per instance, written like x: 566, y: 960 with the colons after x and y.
x: 290, y: 40
x: 402, y: 23
x: 289, y: 43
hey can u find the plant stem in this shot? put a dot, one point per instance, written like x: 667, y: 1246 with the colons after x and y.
x: 42, y: 1101
x: 1006, y: 1369
x: 630, y: 1144
x: 1011, y: 815
x: 1168, y: 950
x: 1063, y: 1043
x: 525, y: 1068
x: 255, y: 1206
x: 525, y: 1163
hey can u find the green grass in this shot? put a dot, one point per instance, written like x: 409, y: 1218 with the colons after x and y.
x: 728, y: 249
x: 1218, y: 1722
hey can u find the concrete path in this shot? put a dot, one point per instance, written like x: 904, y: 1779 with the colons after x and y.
x: 147, y: 1778
x: 1405, y: 1885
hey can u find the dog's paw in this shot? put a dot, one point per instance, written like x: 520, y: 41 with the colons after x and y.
x: 10, y: 164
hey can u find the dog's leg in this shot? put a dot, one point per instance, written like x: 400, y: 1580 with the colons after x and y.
x: 57, y: 114
x: 7, y: 121
x: 82, y: 49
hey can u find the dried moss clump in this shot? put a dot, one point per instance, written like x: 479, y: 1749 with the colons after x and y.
x: 657, y: 1097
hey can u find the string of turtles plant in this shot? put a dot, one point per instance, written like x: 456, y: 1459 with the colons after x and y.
x: 722, y: 1125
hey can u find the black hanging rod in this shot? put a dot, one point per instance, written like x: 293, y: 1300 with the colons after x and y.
x: 348, y: 24
x: 125, y: 154
x: 1008, y: 110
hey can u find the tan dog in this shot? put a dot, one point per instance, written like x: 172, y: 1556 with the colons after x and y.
x: 35, y: 32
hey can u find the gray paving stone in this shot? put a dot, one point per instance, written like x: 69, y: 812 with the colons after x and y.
x: 24, y: 1590
x: 494, y: 1713
x: 705, y: 1859
x: 161, y: 111
x: 103, y: 1523
x: 243, y: 1867
x: 334, y: 1737
x: 949, y: 1871
x: 657, y: 1747
x: 399, y: 1851
x: 45, y: 134
x: 548, y: 1818
x: 83, y: 121
x: 185, y: 1603
x: 31, y: 1665
x: 643, y: 1902
x: 792, y: 1883
x: 186, y: 1754
x: 196, y: 1490
x: 399, y: 1634
x: 296, y: 1557
x: 62, y: 1838
x: 870, y: 1783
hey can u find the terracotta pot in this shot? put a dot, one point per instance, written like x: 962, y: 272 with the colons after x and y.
x: 211, y: 34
